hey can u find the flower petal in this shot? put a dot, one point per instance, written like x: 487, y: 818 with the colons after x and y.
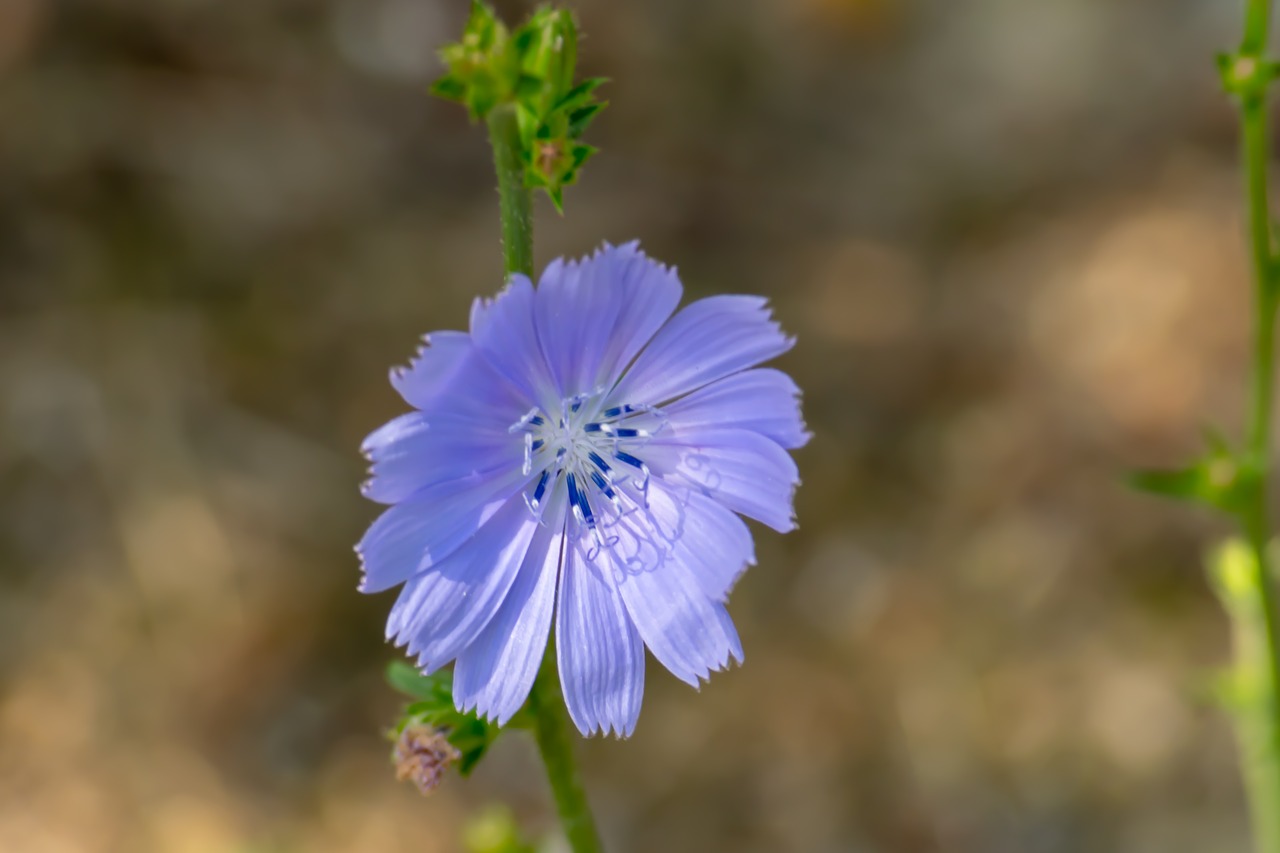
x: 600, y: 655
x: 411, y: 454
x: 594, y: 315
x: 657, y: 575
x: 764, y: 400
x: 493, y: 675
x: 431, y: 370
x: 397, y: 429
x: 503, y: 331
x: 442, y: 610
x: 418, y: 534
x: 707, y: 340
x: 745, y: 471
x: 464, y: 430
x: 713, y: 541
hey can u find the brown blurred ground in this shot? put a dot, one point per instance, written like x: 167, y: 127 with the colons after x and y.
x: 1005, y: 232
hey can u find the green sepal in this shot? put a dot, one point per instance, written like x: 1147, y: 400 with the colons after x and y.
x: 580, y: 118
x: 579, y: 154
x: 548, y: 45
x: 526, y: 90
x: 433, y: 706
x: 472, y: 738
x: 581, y: 94
x: 450, y: 88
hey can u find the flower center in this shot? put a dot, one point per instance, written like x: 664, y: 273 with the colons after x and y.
x: 592, y: 450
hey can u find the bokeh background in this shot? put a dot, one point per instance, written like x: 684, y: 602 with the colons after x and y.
x: 1006, y: 232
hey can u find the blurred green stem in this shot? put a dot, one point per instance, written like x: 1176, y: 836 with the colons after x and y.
x: 550, y: 721
x: 1260, y: 733
x: 1257, y: 23
x: 551, y: 729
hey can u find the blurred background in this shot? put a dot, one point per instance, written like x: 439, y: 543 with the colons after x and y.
x: 1006, y: 233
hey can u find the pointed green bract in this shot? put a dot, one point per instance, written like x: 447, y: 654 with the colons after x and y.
x: 531, y: 68
x: 1221, y: 478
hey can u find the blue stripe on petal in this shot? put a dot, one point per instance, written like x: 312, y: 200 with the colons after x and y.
x: 600, y: 655
x: 441, y: 611
x: 707, y: 340
x: 494, y: 674
x: 764, y: 400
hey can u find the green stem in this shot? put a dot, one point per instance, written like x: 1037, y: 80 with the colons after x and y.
x: 514, y: 200
x: 551, y: 729
x: 1262, y: 774
x: 550, y: 721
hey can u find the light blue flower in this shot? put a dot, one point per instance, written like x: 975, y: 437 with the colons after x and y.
x: 580, y: 458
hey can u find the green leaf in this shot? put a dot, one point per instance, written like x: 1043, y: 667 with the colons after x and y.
x: 1182, y: 484
x: 408, y: 680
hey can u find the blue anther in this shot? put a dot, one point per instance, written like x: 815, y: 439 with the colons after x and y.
x: 579, y: 501
x: 529, y: 418
x: 603, y: 485
x: 628, y: 459
x: 541, y: 488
